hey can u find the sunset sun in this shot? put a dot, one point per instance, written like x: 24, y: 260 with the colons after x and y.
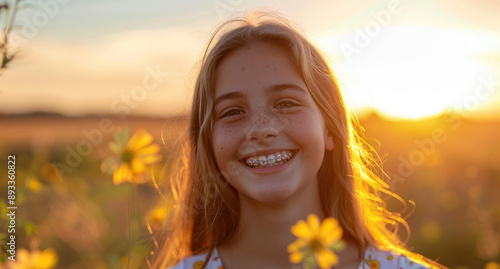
x: 410, y: 72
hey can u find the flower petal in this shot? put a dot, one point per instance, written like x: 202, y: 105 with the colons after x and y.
x: 138, y: 166
x: 149, y: 154
x: 123, y: 174
x: 148, y: 150
x: 313, y: 222
x: 23, y: 256
x: 140, y: 139
x: 151, y: 159
x: 157, y: 215
x: 301, y: 230
x: 296, y: 257
x: 330, y: 232
x: 297, y: 245
x: 326, y: 259
x: 46, y: 259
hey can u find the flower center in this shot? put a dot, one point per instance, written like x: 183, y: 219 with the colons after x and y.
x: 127, y: 156
x: 314, y: 245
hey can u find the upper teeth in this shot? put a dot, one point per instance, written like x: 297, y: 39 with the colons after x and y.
x: 269, y: 160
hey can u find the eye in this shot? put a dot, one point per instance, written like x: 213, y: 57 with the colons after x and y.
x: 287, y: 104
x: 230, y: 112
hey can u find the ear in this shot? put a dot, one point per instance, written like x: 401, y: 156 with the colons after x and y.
x: 329, y: 144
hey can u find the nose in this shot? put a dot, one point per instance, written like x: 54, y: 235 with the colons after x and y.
x: 263, y: 129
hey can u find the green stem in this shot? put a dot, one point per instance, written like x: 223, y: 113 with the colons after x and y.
x: 130, y: 222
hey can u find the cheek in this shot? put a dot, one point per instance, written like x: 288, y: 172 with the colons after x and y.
x: 225, y: 145
x: 223, y: 141
x: 300, y: 126
x: 307, y: 130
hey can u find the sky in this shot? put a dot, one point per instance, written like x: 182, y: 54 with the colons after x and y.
x: 402, y: 58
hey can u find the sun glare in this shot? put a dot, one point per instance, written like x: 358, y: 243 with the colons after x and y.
x: 408, y: 72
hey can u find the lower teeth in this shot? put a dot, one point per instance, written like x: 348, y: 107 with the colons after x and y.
x: 268, y: 165
x: 276, y: 163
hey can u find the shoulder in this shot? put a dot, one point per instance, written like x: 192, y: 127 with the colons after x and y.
x: 196, y: 262
x: 376, y: 258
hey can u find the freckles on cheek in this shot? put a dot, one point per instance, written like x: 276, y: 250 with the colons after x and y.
x: 222, y: 139
x: 296, y: 125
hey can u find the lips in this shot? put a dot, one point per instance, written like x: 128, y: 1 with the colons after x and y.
x: 268, y: 160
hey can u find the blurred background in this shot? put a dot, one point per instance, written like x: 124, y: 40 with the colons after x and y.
x: 422, y: 76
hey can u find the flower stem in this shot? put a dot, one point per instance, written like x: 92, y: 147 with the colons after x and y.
x: 131, y: 220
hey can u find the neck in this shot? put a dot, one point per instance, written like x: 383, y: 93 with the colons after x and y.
x: 263, y: 233
x: 264, y: 229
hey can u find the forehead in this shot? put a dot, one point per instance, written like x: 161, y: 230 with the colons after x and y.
x: 257, y: 65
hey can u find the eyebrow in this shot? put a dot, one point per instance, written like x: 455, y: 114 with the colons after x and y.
x: 274, y: 88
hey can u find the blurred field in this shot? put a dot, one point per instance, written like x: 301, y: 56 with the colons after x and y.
x: 449, y: 166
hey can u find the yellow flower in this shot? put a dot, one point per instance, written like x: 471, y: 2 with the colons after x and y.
x: 132, y: 156
x: 46, y: 259
x: 33, y: 184
x: 198, y: 265
x: 373, y: 264
x: 157, y: 215
x: 316, y: 242
x: 492, y: 265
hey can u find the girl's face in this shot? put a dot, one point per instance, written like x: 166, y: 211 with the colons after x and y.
x: 265, y: 116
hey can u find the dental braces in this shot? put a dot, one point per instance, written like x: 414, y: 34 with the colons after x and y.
x: 269, y: 160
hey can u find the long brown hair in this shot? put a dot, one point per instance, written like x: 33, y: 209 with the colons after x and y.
x: 207, y: 208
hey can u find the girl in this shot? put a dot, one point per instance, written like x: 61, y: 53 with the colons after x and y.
x: 270, y: 142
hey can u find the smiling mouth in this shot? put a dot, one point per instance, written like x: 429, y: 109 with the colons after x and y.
x: 270, y: 160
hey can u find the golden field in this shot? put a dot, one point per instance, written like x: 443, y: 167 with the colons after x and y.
x: 448, y: 166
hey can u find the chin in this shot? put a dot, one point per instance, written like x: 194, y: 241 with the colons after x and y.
x: 270, y: 195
